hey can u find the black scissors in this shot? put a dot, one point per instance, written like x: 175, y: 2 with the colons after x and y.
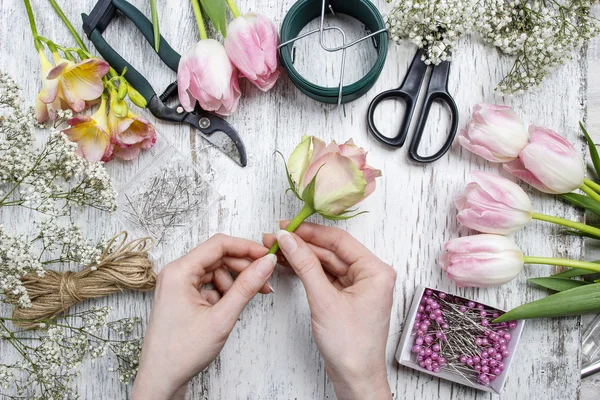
x: 437, y: 89
x: 214, y: 129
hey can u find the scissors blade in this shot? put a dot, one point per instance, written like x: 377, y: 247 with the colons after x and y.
x: 220, y: 134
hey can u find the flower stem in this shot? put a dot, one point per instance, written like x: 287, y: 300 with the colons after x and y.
x: 591, y: 184
x: 587, y: 190
x: 34, y: 33
x: 566, y: 222
x: 68, y: 24
x: 234, y: 10
x: 199, y: 19
x: 306, y: 212
x: 563, y: 262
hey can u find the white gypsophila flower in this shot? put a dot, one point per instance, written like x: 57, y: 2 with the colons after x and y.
x: 540, y: 35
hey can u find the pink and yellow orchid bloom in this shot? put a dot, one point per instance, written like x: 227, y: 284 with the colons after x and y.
x: 78, y: 82
x: 91, y: 134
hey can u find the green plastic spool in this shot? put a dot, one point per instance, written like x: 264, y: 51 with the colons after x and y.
x: 303, y: 12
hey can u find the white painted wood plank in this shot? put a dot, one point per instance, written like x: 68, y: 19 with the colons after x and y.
x: 271, y: 354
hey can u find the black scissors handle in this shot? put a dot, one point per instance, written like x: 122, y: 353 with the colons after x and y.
x: 409, y: 92
x: 437, y: 90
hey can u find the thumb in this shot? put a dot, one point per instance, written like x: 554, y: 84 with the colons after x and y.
x: 305, y: 263
x: 246, y: 286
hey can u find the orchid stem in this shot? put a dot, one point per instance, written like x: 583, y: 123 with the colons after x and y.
x: 36, y: 39
x: 199, y: 19
x: 566, y: 222
x: 563, y: 262
x: 306, y: 212
x: 591, y: 193
x: 234, y: 10
x: 591, y: 184
x: 68, y: 24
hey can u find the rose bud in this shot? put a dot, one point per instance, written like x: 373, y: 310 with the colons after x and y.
x: 493, y: 204
x: 207, y: 76
x: 251, y: 45
x: 549, y: 162
x: 482, y: 260
x: 494, y: 132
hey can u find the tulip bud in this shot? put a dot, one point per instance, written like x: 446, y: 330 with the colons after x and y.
x: 549, y: 163
x: 494, y: 132
x: 493, y: 204
x: 135, y: 97
x: 482, y: 260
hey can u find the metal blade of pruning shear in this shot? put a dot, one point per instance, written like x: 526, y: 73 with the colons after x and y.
x: 219, y: 133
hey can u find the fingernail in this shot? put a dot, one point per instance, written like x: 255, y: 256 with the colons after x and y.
x: 286, y: 241
x: 270, y: 287
x: 266, y: 265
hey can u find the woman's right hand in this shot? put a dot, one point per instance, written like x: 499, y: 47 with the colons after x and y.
x: 349, y: 293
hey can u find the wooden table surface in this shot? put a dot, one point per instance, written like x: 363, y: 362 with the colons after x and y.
x: 271, y: 353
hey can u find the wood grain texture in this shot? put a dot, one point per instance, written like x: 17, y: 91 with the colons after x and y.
x: 271, y: 353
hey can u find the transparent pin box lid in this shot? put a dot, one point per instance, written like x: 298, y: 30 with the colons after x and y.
x: 406, y: 357
x: 165, y: 197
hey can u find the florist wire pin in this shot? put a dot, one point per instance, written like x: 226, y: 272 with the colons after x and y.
x: 301, y: 14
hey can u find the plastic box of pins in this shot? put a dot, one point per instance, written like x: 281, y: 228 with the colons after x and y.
x: 456, y: 339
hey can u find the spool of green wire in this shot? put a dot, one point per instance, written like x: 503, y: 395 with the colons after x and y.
x: 302, y: 13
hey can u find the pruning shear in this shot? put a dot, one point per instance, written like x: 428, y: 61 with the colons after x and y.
x: 214, y: 129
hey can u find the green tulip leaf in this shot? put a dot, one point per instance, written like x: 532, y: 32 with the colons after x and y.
x: 292, y: 187
x: 574, y: 272
x: 580, y: 200
x: 579, y: 300
x: 216, y: 11
x: 558, y: 284
x: 593, y: 150
x: 155, y: 26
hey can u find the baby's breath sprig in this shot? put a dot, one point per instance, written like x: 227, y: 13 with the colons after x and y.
x: 50, y: 356
x: 541, y: 35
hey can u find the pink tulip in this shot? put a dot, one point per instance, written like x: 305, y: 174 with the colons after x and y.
x: 549, y: 163
x: 251, y: 44
x: 494, y: 132
x: 91, y: 134
x: 493, y: 204
x: 482, y: 260
x: 206, y: 75
x: 129, y: 135
x: 341, y: 175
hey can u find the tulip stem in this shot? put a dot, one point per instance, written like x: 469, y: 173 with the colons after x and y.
x: 199, y: 19
x: 590, y: 192
x: 566, y: 222
x: 36, y: 38
x: 591, y: 184
x: 563, y: 262
x: 68, y: 24
x: 234, y: 10
x: 306, y: 212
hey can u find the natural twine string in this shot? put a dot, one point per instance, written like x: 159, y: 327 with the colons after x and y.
x: 122, y: 266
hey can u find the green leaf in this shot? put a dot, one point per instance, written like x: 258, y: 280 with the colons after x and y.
x: 289, y: 177
x: 593, y: 150
x: 216, y: 11
x: 341, y: 217
x: 558, y: 284
x: 580, y: 300
x: 308, y: 195
x: 574, y: 272
x: 155, y: 26
x: 580, y: 200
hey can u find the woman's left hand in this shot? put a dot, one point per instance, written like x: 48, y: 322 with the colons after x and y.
x: 189, y: 325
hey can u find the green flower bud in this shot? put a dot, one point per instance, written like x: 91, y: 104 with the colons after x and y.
x: 135, y: 97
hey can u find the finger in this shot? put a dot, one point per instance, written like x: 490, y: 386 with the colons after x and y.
x: 336, y: 240
x: 210, y: 295
x: 245, y: 287
x: 222, y: 280
x: 305, y: 263
x: 208, y: 254
x: 239, y: 264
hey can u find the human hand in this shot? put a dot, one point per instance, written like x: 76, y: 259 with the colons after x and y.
x: 188, y: 325
x: 350, y: 303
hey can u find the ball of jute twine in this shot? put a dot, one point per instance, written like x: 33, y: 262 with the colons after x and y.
x: 123, y: 266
